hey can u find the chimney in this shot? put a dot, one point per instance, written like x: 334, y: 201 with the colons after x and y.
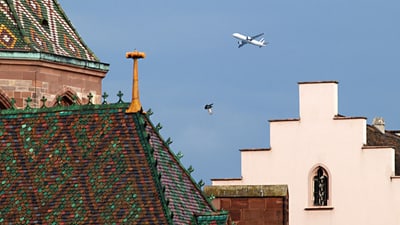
x: 135, y: 106
x: 318, y: 100
x: 379, y: 123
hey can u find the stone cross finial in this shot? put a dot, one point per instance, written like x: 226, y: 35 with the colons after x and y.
x: 120, y: 94
x: 135, y: 106
x: 90, y: 97
x: 43, y: 100
x: 28, y: 102
x: 105, y: 96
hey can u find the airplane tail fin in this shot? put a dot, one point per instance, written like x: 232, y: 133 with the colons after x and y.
x: 263, y: 42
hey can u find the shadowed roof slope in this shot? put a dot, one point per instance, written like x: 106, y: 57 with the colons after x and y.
x: 93, y: 164
x: 387, y: 139
x: 40, y: 26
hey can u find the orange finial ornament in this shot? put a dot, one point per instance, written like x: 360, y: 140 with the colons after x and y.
x: 135, y: 106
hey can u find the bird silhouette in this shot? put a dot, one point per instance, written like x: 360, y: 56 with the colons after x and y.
x: 209, y: 107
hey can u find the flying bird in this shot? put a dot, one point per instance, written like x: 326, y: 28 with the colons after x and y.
x: 208, y: 107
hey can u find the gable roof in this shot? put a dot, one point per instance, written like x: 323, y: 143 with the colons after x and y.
x: 93, y: 164
x: 40, y: 26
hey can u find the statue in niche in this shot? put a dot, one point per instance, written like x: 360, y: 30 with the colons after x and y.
x: 320, y: 188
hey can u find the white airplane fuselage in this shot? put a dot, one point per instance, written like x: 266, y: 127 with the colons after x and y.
x: 243, y: 39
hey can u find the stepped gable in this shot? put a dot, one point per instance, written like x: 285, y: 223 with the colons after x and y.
x: 387, y: 139
x: 40, y: 26
x: 93, y: 164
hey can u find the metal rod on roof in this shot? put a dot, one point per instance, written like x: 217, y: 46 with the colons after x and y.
x: 135, y: 106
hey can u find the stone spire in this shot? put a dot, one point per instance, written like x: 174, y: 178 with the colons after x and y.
x: 39, y: 26
x: 42, y: 54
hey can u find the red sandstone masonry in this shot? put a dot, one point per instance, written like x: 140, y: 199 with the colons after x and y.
x: 252, y: 204
x: 254, y: 210
x: 257, y: 203
x: 274, y: 203
x: 225, y: 204
x: 239, y: 203
x: 21, y: 79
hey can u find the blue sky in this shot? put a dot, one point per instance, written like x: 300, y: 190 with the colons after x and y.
x: 192, y: 59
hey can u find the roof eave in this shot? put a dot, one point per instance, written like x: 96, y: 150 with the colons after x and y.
x: 55, y: 58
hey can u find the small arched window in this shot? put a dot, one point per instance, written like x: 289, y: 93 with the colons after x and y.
x: 320, y: 187
x: 67, y: 98
x: 66, y: 101
x: 5, y: 102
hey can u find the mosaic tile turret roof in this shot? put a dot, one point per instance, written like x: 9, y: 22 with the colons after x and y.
x: 40, y: 26
x: 94, y: 164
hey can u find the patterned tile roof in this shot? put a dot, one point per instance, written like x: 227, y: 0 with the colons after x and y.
x: 93, y: 164
x: 39, y: 26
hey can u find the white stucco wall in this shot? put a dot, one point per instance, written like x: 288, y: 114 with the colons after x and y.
x: 361, y: 188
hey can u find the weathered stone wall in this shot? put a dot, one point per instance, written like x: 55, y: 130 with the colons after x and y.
x: 252, y: 204
x: 20, y: 79
x: 254, y: 210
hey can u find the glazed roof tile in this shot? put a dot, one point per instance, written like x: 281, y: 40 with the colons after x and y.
x: 93, y: 164
x: 40, y: 26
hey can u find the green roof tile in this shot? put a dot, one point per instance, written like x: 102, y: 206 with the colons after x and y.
x: 92, y: 164
x: 41, y: 26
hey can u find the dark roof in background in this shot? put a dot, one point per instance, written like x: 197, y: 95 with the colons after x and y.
x: 387, y: 139
x: 40, y: 26
x: 93, y: 164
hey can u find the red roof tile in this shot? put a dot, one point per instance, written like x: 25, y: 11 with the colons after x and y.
x: 93, y: 164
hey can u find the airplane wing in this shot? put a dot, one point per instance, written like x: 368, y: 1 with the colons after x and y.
x: 258, y: 35
x: 241, y: 44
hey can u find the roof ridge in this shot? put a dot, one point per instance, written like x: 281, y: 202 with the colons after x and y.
x: 104, y: 160
x: 65, y: 109
x: 63, y: 14
x: 178, y: 161
x: 43, y: 26
x: 149, y: 151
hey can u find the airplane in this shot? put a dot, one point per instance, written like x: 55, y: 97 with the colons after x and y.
x: 250, y: 40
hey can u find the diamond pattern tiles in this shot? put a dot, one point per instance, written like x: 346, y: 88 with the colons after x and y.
x: 93, y: 164
x: 10, y: 35
x: 7, y: 38
x: 76, y: 167
x: 40, y: 26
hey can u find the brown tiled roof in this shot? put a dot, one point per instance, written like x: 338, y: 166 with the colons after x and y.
x: 40, y: 26
x: 93, y: 164
x: 388, y: 139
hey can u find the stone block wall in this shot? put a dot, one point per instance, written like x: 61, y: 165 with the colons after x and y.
x: 20, y: 79
x: 252, y: 205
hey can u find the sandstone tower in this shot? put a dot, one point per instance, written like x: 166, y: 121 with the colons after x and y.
x: 43, y: 56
